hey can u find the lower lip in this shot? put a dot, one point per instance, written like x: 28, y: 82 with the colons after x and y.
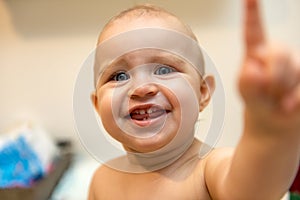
x: 148, y: 122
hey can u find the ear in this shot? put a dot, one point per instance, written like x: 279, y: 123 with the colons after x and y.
x: 94, y: 100
x: 207, y: 89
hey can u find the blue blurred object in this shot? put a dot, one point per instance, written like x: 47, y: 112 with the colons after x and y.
x: 19, y: 164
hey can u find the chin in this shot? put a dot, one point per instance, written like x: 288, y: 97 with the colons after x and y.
x: 146, y: 145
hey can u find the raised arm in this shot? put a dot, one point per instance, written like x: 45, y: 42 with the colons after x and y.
x: 266, y: 158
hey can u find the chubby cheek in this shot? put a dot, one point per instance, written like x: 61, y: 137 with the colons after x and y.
x: 175, y: 117
x: 105, y: 112
x: 188, y: 98
x: 195, y: 84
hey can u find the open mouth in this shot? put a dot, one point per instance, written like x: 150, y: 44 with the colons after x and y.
x: 147, y: 113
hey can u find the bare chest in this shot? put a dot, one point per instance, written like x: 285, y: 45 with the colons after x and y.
x: 163, y: 188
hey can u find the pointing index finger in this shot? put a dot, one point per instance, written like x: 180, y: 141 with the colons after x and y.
x: 254, y: 33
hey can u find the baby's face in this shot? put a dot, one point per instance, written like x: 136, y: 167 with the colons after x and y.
x: 140, y: 98
x: 147, y: 96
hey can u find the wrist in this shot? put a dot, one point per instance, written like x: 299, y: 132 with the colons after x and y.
x: 267, y: 124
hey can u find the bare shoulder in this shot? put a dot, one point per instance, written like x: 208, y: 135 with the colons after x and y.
x: 101, y: 171
x: 216, y: 159
x: 215, y: 165
x: 101, y: 181
x: 218, y: 155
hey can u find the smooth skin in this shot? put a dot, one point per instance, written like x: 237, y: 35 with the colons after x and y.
x: 266, y: 159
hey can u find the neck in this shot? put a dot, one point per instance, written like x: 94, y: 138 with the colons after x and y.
x: 159, y: 159
x: 156, y: 160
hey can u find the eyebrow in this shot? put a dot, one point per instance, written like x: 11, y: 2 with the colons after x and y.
x: 169, y: 58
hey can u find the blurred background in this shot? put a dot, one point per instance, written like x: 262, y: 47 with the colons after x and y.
x: 43, y: 44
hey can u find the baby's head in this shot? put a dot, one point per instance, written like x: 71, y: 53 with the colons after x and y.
x: 148, y: 96
x: 142, y: 16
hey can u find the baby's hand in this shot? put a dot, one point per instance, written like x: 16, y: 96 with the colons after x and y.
x: 269, y: 79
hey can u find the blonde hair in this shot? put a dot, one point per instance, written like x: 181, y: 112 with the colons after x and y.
x: 148, y: 10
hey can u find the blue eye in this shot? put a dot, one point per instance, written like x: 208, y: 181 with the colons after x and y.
x: 164, y: 69
x: 120, y: 76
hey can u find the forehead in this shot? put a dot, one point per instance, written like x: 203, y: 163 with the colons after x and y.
x: 131, y: 23
x: 144, y: 56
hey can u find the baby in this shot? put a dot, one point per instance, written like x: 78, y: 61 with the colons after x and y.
x: 149, y: 98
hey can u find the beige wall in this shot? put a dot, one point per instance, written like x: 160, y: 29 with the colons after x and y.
x: 44, y: 43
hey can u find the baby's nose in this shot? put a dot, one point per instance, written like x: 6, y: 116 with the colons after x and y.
x: 144, y: 91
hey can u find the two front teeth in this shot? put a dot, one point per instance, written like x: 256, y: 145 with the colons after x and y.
x: 144, y: 111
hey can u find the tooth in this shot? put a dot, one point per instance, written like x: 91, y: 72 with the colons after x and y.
x: 145, y: 119
x: 149, y: 111
x: 136, y: 112
x: 142, y: 112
